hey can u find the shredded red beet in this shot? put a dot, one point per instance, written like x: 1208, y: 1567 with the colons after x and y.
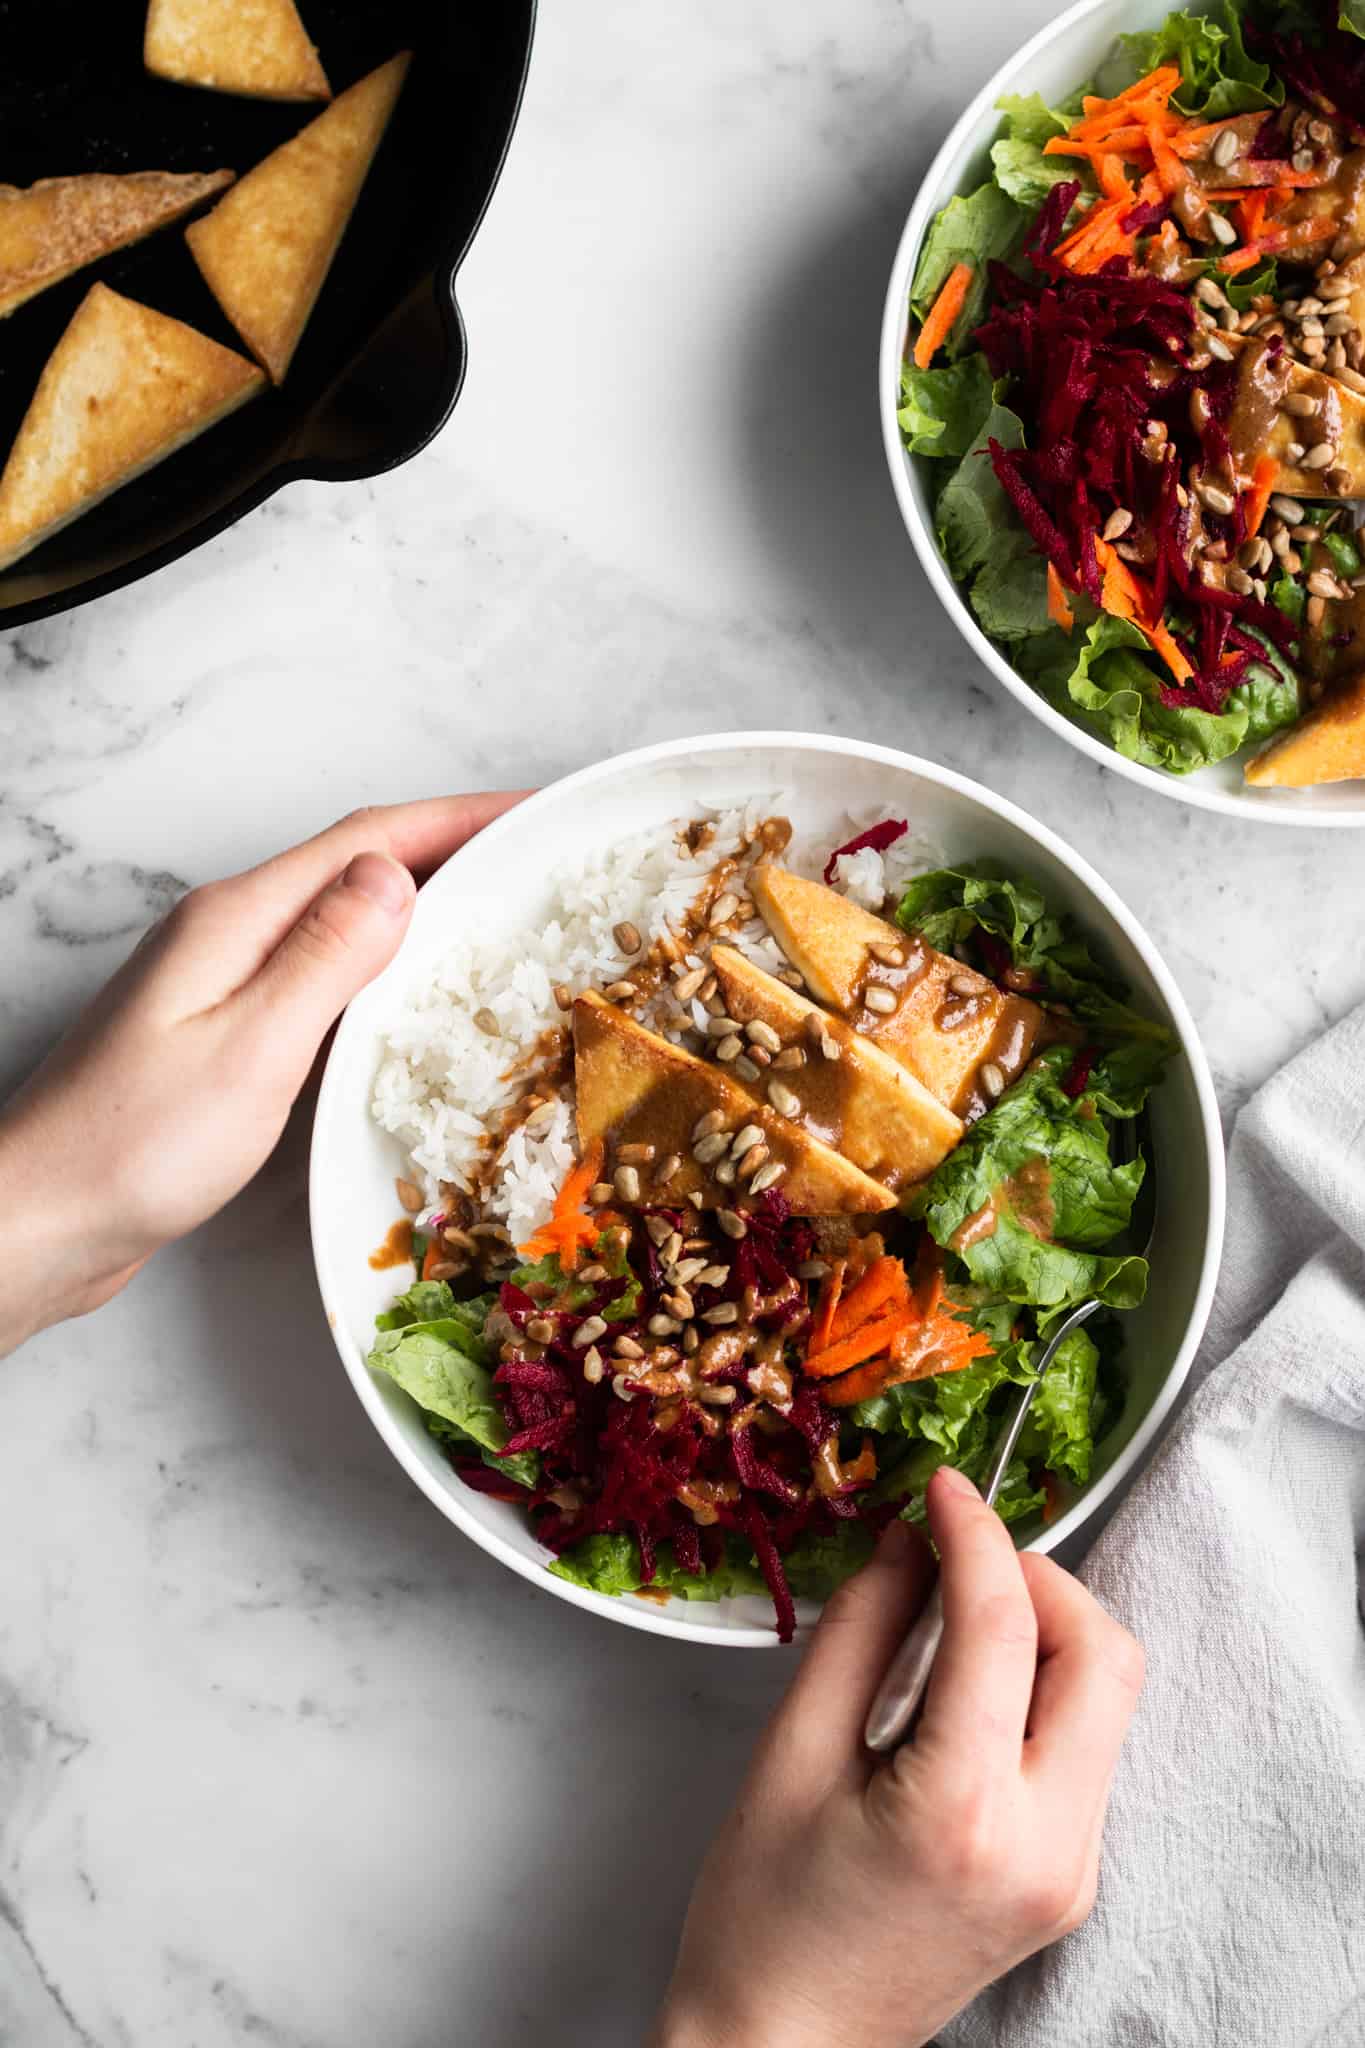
x: 770, y: 1564
x: 1329, y: 73
x: 1078, y: 1073
x: 878, y: 837
x: 1269, y: 142
x: 1046, y: 232
x: 1145, y: 214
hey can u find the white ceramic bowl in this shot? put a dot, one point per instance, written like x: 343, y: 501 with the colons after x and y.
x: 1058, y: 59
x: 502, y: 877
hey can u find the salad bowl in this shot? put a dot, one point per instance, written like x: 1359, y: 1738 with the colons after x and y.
x: 1053, y: 64
x: 499, y: 882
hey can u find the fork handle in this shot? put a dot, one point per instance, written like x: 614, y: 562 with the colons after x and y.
x: 903, y: 1687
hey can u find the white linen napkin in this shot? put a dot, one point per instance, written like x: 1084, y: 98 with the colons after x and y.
x: 1231, y: 1910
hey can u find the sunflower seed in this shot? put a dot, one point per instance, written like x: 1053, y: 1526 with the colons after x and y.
x: 717, y: 1397
x: 729, y: 1049
x: 746, y: 1068
x: 620, y: 1389
x: 663, y: 1326
x: 707, y: 1150
x: 767, y: 1177
x: 723, y: 909
x: 783, y: 1100
x: 563, y: 998
x: 1323, y: 585
x: 680, y: 1304
x: 714, y: 1276
x: 1210, y: 293
x: 1225, y: 148
x: 1223, y: 230
x: 829, y: 1047
x: 627, y: 1183
x: 1301, y: 404
x: 812, y: 1269
x: 409, y: 1196
x: 750, y: 1135
x: 763, y: 1034
x: 1287, y: 508
x: 723, y: 1312
x: 589, y: 1331
x: 721, y: 1026
x: 626, y: 1347
x: 687, y: 987
x: 1219, y: 349
x: 1315, y: 611
x: 1302, y: 160
x: 1337, y: 323
x: 888, y: 955
x: 626, y: 936
x: 1239, y: 581
x: 488, y: 1023
x: 750, y: 1163
x: 882, y: 1000
x: 1321, y: 457
x: 789, y: 1059
x: 732, y: 1223
x: 992, y: 1080
x: 593, y: 1366
x: 1118, y: 522
x: 1215, y: 497
x: 635, y: 1155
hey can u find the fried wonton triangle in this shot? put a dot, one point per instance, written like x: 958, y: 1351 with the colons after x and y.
x: 636, y: 1089
x: 852, y: 1094
x: 124, y: 388
x: 257, y: 48
x: 1327, y: 745
x: 1259, y: 425
x: 266, y: 249
x: 57, y: 226
x: 940, y: 1019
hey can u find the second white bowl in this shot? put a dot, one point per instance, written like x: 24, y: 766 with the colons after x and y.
x: 1059, y: 58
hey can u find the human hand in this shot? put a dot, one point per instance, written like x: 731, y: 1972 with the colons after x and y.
x: 850, y: 1903
x: 174, y: 1086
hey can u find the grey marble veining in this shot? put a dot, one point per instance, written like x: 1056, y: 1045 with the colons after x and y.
x: 282, y: 1758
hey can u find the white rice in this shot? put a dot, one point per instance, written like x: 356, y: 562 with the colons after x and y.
x: 443, y: 1078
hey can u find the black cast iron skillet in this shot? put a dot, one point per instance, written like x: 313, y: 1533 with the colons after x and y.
x: 382, y: 360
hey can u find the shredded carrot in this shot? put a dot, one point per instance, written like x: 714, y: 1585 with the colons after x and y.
x: 1258, y: 497
x: 828, y: 1305
x: 1169, y: 169
x: 1241, y: 259
x: 1052, y: 1496
x: 940, y: 319
x: 431, y: 1257
x: 1158, y: 84
x: 1126, y: 596
x: 568, y: 1230
x: 943, y: 1344
x: 1169, y: 649
x: 1251, y: 211
x: 884, y: 1284
x: 1058, y: 605
x: 867, y: 1341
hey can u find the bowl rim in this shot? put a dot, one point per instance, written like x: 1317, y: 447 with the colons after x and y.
x: 441, y: 282
x: 1255, y: 808
x: 331, y: 1104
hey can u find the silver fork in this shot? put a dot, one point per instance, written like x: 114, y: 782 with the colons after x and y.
x: 903, y: 1688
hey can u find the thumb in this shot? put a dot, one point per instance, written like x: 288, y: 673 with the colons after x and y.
x: 344, y: 938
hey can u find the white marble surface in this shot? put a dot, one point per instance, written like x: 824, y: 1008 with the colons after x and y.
x: 282, y: 1758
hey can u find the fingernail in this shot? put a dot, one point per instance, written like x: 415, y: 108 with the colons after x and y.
x: 954, y: 1481
x: 383, y: 880
x: 895, y: 1542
